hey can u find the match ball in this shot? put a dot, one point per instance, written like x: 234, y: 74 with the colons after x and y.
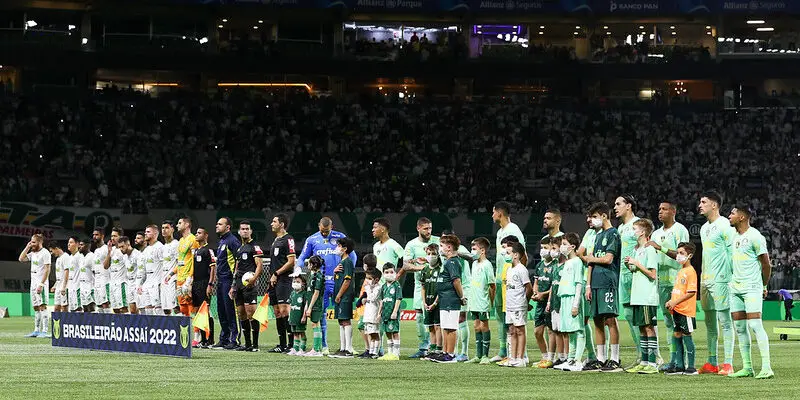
x: 246, y: 277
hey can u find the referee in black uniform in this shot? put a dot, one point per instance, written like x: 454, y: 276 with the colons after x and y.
x: 282, y: 259
x: 248, y: 259
x: 205, y: 265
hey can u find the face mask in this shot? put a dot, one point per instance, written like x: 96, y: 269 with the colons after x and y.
x: 544, y: 253
x: 681, y: 258
x: 297, y: 286
x: 554, y: 253
x: 475, y: 254
x: 566, y: 249
x: 597, y: 223
x: 507, y: 257
x: 638, y: 234
x: 430, y: 258
x: 389, y: 277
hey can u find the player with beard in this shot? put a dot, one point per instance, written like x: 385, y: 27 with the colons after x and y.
x: 137, y: 275
x: 39, y: 257
x: 126, y: 250
x: 116, y: 263
x: 414, y: 262
x: 169, y: 295
x: 63, y: 260
x: 282, y: 255
x: 149, y: 292
x: 102, y: 276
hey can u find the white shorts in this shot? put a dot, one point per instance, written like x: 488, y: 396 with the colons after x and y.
x: 86, y: 293
x: 169, y: 296
x: 119, y: 296
x: 151, y: 296
x: 74, y: 294
x: 131, y: 293
x: 40, y: 299
x: 555, y: 321
x: 61, y: 299
x: 101, y: 293
x: 516, y: 318
x: 448, y: 319
x: 370, y: 328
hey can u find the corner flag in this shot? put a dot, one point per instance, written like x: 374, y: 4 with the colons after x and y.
x: 200, y: 320
x: 262, y: 313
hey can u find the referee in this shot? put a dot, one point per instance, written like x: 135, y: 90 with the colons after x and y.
x: 205, y: 264
x: 282, y: 259
x: 243, y: 292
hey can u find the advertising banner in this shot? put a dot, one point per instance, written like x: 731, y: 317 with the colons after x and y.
x: 148, y: 334
x: 19, y: 219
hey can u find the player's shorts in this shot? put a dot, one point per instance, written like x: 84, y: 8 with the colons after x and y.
x: 644, y: 315
x: 715, y: 296
x: 479, y: 315
x: 74, y: 298
x: 555, y: 321
x: 604, y: 303
x: 625, y: 282
x: 316, y: 316
x: 245, y: 295
x: 119, y: 295
x: 169, y: 295
x: 370, y: 328
x: 390, y: 326
x: 61, y: 299
x: 361, y: 326
x: 516, y: 318
x: 344, y: 310
x: 101, y: 293
x: 281, y: 292
x: 199, y: 290
x: 540, y: 316
x: 299, y: 328
x: 746, y: 298
x: 683, y: 324
x: 448, y: 319
x: 132, y: 293
x: 151, y: 295
x: 87, y: 293
x: 431, y: 318
x: 568, y: 322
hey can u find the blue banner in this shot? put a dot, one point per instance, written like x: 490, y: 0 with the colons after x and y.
x: 149, y: 334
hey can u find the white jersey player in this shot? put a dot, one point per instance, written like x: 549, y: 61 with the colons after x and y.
x: 149, y: 292
x: 39, y: 258
x: 86, y: 276
x: 102, y: 276
x: 63, y: 260
x: 74, y: 284
x: 169, y: 294
x: 136, y: 276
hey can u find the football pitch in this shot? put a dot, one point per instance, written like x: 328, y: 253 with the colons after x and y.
x: 31, y: 368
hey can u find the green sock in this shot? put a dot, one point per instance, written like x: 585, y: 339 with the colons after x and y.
x: 763, y: 342
x: 296, y: 345
x: 463, y: 333
x: 677, y: 343
x: 589, y: 336
x: 712, y: 336
x: 487, y: 341
x: 317, y: 339
x: 303, y: 343
x: 744, y: 342
x: 433, y: 347
x: 688, y: 344
x: 653, y: 351
x: 644, y: 347
x: 573, y: 341
x: 479, y: 344
x: 580, y: 345
x: 728, y: 335
x: 503, y: 335
x: 422, y: 333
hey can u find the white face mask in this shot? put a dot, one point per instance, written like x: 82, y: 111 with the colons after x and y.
x: 681, y: 258
x: 566, y: 249
x: 554, y: 253
x: 597, y: 223
x: 544, y: 253
x: 297, y: 286
x: 390, y: 276
x: 475, y: 254
x: 430, y: 258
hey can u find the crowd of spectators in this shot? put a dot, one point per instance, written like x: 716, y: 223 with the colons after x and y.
x: 295, y: 152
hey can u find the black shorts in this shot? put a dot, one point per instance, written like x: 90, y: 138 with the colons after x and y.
x: 280, y: 293
x: 684, y: 324
x: 431, y: 318
x: 245, y: 295
x: 199, y: 293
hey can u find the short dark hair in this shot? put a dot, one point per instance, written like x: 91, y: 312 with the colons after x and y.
x: 244, y: 222
x: 370, y: 261
x: 53, y: 244
x: 746, y: 210
x: 383, y: 222
x: 673, y: 205
x: 168, y: 222
x: 347, y: 244
x: 452, y: 240
x: 688, y: 246
x: 75, y: 238
x: 600, y: 208
x: 186, y: 220
x: 482, y: 242
x: 628, y: 198
x: 545, y: 241
x: 283, y: 219
x: 373, y: 272
x: 124, y: 239
x: 118, y: 230
x: 433, y: 246
x: 227, y: 221
x: 139, y: 233
x: 423, y: 221
x: 99, y: 229
x: 713, y: 196
x: 504, y: 207
x: 553, y: 210
x: 388, y: 265
x: 509, y: 240
x: 520, y: 249
x: 573, y: 239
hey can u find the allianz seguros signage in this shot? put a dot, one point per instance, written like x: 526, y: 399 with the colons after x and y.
x: 20, y: 219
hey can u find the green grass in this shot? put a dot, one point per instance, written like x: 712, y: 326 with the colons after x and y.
x: 32, y: 368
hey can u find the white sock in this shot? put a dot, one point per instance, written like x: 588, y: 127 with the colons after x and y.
x: 615, y: 352
x: 45, y: 323
x: 562, y: 356
x: 348, y: 338
x: 548, y: 356
x: 600, y: 349
x: 158, y: 311
x: 397, y: 347
x: 37, y: 321
x: 342, y: 342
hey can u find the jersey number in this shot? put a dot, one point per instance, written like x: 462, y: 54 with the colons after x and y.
x: 609, y: 297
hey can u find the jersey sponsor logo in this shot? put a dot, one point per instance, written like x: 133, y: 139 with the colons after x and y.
x: 276, y: 251
x: 291, y: 245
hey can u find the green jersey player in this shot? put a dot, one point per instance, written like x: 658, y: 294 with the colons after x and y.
x: 414, y: 261
x: 751, y: 270
x: 717, y: 237
x: 587, y: 247
x: 624, y: 208
x: 479, y: 299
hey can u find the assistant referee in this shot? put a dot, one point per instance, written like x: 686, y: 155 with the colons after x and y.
x: 205, y: 264
x: 282, y: 259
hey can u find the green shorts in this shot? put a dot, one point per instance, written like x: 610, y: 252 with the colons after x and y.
x: 746, y: 298
x: 644, y: 315
x: 479, y: 316
x: 567, y: 322
x: 715, y: 296
x: 604, y: 303
x: 316, y: 316
x: 361, y: 325
x: 683, y: 324
x: 540, y: 317
x: 343, y: 310
x: 390, y: 326
x: 299, y: 328
x: 625, y: 282
x: 431, y: 318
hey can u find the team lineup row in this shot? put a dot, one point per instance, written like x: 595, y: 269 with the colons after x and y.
x: 632, y: 268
